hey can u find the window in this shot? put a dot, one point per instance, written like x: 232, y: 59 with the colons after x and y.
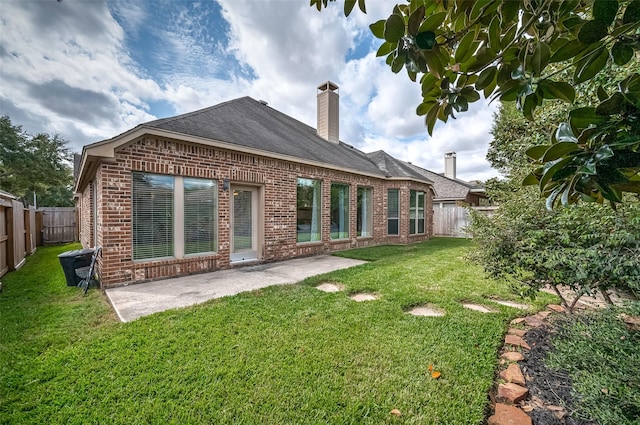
x: 199, y: 216
x: 339, y: 211
x: 173, y: 216
x: 309, y: 201
x: 152, y: 216
x: 364, y: 218
x: 393, y: 211
x: 416, y: 212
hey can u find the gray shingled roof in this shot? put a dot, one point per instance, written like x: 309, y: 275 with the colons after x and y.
x: 252, y: 124
x: 445, y: 187
x: 393, y: 167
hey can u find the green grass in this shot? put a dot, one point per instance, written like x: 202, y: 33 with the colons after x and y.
x: 283, y: 355
x: 602, y: 357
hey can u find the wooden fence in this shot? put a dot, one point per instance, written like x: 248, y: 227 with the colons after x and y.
x: 23, y: 229
x: 451, y: 221
x: 59, y: 225
x: 18, y: 233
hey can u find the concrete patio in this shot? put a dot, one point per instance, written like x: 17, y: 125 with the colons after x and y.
x: 134, y: 301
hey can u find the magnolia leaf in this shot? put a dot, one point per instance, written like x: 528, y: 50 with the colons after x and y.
x: 486, y: 77
x: 530, y: 103
x: 540, y: 58
x: 435, y: 374
x: 557, y: 90
x: 564, y: 133
x: 558, y: 150
x: 431, y: 118
x: 386, y: 48
x: 433, y: 22
x: 568, y: 50
x: 424, y: 107
x: 550, y: 168
x: 348, y: 6
x: 632, y: 13
x: 413, y: 25
x: 430, y: 368
x: 396, y: 413
x: 592, y: 31
x: 536, y: 152
x: 464, y: 47
x: 377, y: 28
x: 584, y: 117
x: 530, y: 180
x: 611, y: 106
x: 394, y: 28
x: 362, y: 6
x: 426, y: 40
x: 590, y: 65
x: 602, y: 94
x: 621, y: 53
x: 605, y: 10
x: 494, y: 33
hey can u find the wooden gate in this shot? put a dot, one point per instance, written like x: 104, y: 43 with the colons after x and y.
x: 59, y: 225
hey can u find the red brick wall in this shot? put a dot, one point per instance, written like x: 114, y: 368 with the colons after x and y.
x: 277, y: 180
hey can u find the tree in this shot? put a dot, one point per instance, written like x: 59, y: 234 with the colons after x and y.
x: 38, y: 164
x: 517, y: 51
x: 586, y: 247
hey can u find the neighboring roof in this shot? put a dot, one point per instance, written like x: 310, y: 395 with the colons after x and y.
x: 446, y: 188
x: 250, y: 125
x: 393, y: 167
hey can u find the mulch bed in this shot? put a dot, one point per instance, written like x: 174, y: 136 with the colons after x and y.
x: 546, y: 386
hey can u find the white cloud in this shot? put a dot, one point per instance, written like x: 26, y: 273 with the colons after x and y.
x: 108, y: 77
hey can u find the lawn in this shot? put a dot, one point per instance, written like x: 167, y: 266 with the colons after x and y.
x: 287, y: 355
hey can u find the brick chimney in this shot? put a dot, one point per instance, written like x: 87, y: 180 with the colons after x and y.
x: 328, y: 112
x: 450, y: 165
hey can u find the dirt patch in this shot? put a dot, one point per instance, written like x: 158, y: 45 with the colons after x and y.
x: 364, y: 296
x: 426, y: 311
x: 478, y: 307
x: 330, y: 287
x: 548, y: 389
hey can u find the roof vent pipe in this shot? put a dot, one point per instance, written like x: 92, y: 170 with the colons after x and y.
x: 328, y: 112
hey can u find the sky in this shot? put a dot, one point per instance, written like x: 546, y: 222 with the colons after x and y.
x: 88, y: 70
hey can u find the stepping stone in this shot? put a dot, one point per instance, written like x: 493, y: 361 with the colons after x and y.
x: 517, y: 332
x: 509, y: 415
x: 517, y: 320
x: 329, y: 287
x: 533, y: 321
x: 513, y: 373
x: 512, y: 393
x: 512, y: 304
x: 557, y: 308
x: 477, y: 307
x: 517, y: 341
x: 512, y: 356
x: 363, y: 297
x: 426, y: 311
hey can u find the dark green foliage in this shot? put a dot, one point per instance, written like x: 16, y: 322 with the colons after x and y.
x: 587, y: 247
x: 38, y: 164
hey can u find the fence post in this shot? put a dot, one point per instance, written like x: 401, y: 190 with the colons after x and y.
x: 11, y: 264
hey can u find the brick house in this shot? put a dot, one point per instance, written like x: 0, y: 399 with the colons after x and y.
x: 239, y: 183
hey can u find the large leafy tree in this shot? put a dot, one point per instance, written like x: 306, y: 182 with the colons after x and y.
x: 587, y: 247
x: 521, y: 51
x: 37, y: 165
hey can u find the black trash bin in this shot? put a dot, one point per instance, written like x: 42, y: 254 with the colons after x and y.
x: 72, y: 260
